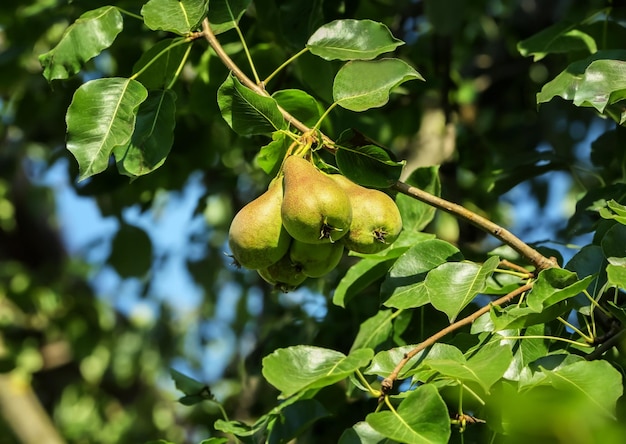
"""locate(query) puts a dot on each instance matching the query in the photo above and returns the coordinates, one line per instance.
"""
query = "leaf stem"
(576, 330)
(323, 116)
(554, 338)
(387, 383)
(473, 393)
(180, 68)
(375, 393)
(130, 14)
(525, 275)
(281, 67)
(248, 56)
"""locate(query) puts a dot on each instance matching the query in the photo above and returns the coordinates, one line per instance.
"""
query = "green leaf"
(177, 16)
(247, 112)
(374, 331)
(616, 275)
(131, 252)
(615, 211)
(225, 14)
(362, 433)
(271, 155)
(100, 119)
(595, 81)
(352, 40)
(185, 384)
(162, 70)
(153, 137)
(361, 85)
(421, 417)
(525, 351)
(560, 38)
(91, 33)
(295, 419)
(417, 215)
(404, 286)
(553, 286)
(385, 361)
(369, 166)
(294, 369)
(299, 104)
(453, 285)
(614, 242)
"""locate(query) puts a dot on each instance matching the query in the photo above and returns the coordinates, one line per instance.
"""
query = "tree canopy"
(495, 128)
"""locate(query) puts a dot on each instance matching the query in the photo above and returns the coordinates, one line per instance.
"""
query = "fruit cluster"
(300, 226)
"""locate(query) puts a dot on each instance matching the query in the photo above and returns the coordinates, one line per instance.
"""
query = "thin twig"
(533, 256)
(388, 382)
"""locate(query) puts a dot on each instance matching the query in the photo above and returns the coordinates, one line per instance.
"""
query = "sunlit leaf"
(404, 285)
(294, 369)
(562, 37)
(453, 285)
(177, 16)
(153, 137)
(362, 433)
(352, 40)
(361, 85)
(247, 112)
(271, 155)
(100, 119)
(555, 285)
(91, 33)
(614, 210)
(299, 104)
(225, 14)
(421, 417)
(374, 331)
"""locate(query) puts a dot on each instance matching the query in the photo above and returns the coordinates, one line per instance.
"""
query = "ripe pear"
(257, 237)
(315, 260)
(315, 209)
(283, 275)
(376, 220)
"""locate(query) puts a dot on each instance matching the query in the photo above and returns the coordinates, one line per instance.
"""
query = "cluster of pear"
(300, 226)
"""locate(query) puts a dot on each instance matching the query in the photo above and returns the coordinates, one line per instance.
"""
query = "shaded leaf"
(162, 70)
(101, 118)
(299, 104)
(374, 331)
(294, 369)
(225, 14)
(91, 33)
(525, 351)
(421, 417)
(614, 242)
(404, 286)
(131, 252)
(296, 418)
(560, 38)
(177, 16)
(369, 166)
(362, 433)
(453, 285)
(153, 137)
(415, 214)
(352, 40)
(185, 384)
(247, 112)
(361, 85)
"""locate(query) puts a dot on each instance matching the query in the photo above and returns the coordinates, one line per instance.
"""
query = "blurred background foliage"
(92, 331)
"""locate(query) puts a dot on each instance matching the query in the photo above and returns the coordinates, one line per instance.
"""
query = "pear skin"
(256, 236)
(315, 260)
(283, 275)
(314, 209)
(376, 220)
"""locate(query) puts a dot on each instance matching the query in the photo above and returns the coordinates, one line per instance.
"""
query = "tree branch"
(388, 382)
(534, 257)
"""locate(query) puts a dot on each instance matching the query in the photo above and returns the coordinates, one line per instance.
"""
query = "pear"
(315, 209)
(256, 236)
(376, 220)
(315, 260)
(284, 274)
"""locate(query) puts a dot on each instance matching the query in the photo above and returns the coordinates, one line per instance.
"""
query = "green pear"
(315, 209)
(315, 260)
(283, 275)
(256, 236)
(376, 220)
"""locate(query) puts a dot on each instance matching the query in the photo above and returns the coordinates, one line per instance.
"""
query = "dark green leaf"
(177, 16)
(294, 369)
(374, 331)
(83, 40)
(153, 136)
(445, 16)
(362, 433)
(415, 214)
(359, 276)
(247, 112)
(299, 104)
(614, 242)
(131, 252)
(187, 385)
(100, 119)
(404, 285)
(452, 286)
(162, 70)
(562, 37)
(369, 166)
(352, 40)
(225, 14)
(296, 418)
(421, 418)
(361, 85)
